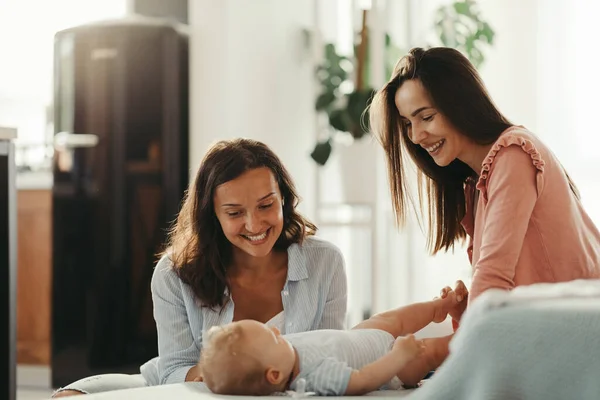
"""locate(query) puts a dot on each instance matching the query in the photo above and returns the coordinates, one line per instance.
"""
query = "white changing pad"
(197, 391)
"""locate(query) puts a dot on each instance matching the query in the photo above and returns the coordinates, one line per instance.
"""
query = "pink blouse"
(528, 225)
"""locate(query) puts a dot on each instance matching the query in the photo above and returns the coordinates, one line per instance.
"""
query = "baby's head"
(246, 358)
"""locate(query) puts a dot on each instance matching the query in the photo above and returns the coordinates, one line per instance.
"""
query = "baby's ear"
(199, 374)
(274, 376)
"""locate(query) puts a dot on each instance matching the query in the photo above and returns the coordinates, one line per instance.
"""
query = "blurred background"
(116, 101)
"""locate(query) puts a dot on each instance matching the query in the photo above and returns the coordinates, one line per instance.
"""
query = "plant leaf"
(487, 32)
(358, 101)
(321, 152)
(324, 100)
(463, 7)
(338, 119)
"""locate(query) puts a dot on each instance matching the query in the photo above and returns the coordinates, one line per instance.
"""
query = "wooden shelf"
(34, 276)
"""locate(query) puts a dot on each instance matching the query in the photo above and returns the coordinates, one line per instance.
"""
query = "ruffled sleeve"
(505, 141)
(510, 184)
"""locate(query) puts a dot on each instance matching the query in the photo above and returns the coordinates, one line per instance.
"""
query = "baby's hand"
(460, 291)
(457, 299)
(409, 347)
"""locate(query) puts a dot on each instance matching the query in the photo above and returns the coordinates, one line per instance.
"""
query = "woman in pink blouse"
(484, 177)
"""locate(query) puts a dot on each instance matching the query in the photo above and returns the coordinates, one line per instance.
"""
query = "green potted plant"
(345, 84)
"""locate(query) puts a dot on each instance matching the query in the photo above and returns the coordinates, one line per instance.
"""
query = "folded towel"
(542, 291)
(528, 294)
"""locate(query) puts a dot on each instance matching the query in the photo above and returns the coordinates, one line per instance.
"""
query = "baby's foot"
(409, 347)
(460, 290)
(457, 300)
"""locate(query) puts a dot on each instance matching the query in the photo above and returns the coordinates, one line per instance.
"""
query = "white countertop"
(34, 180)
(7, 133)
(197, 391)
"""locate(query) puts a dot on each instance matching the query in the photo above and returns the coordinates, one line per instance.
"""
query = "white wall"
(251, 76)
(511, 69)
(542, 73)
(568, 86)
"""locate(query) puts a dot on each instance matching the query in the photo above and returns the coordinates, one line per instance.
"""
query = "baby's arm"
(413, 317)
(372, 376)
(436, 351)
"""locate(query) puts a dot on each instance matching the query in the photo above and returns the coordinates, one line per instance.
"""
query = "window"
(27, 30)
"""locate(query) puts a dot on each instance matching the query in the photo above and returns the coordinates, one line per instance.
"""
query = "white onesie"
(328, 357)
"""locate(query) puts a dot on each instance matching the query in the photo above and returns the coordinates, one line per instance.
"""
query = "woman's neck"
(246, 265)
(475, 155)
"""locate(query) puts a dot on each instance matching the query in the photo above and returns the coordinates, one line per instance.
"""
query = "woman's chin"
(261, 249)
(441, 162)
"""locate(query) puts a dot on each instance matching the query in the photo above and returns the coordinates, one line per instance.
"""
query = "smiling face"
(427, 127)
(250, 211)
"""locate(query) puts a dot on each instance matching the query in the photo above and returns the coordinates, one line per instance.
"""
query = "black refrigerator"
(120, 170)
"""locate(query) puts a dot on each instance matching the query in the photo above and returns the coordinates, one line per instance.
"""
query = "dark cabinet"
(120, 170)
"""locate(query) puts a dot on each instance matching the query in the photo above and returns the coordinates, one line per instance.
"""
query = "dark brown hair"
(197, 246)
(458, 93)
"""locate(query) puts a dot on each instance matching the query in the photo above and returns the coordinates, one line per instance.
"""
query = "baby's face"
(267, 343)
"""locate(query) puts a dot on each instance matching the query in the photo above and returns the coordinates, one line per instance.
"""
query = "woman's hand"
(462, 294)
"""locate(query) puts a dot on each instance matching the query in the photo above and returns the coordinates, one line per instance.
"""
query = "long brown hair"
(457, 92)
(197, 245)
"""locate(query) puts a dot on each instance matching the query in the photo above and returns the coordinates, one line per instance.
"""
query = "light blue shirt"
(327, 358)
(314, 297)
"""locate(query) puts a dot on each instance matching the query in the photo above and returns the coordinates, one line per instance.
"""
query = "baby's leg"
(411, 318)
(434, 354)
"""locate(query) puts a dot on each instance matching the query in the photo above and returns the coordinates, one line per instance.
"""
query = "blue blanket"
(538, 342)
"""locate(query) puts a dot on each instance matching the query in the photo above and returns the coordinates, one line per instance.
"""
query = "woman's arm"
(177, 351)
(511, 196)
(336, 305)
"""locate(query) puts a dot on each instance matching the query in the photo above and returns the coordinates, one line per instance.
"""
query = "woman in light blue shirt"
(239, 250)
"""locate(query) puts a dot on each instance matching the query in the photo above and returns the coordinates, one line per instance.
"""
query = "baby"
(249, 358)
